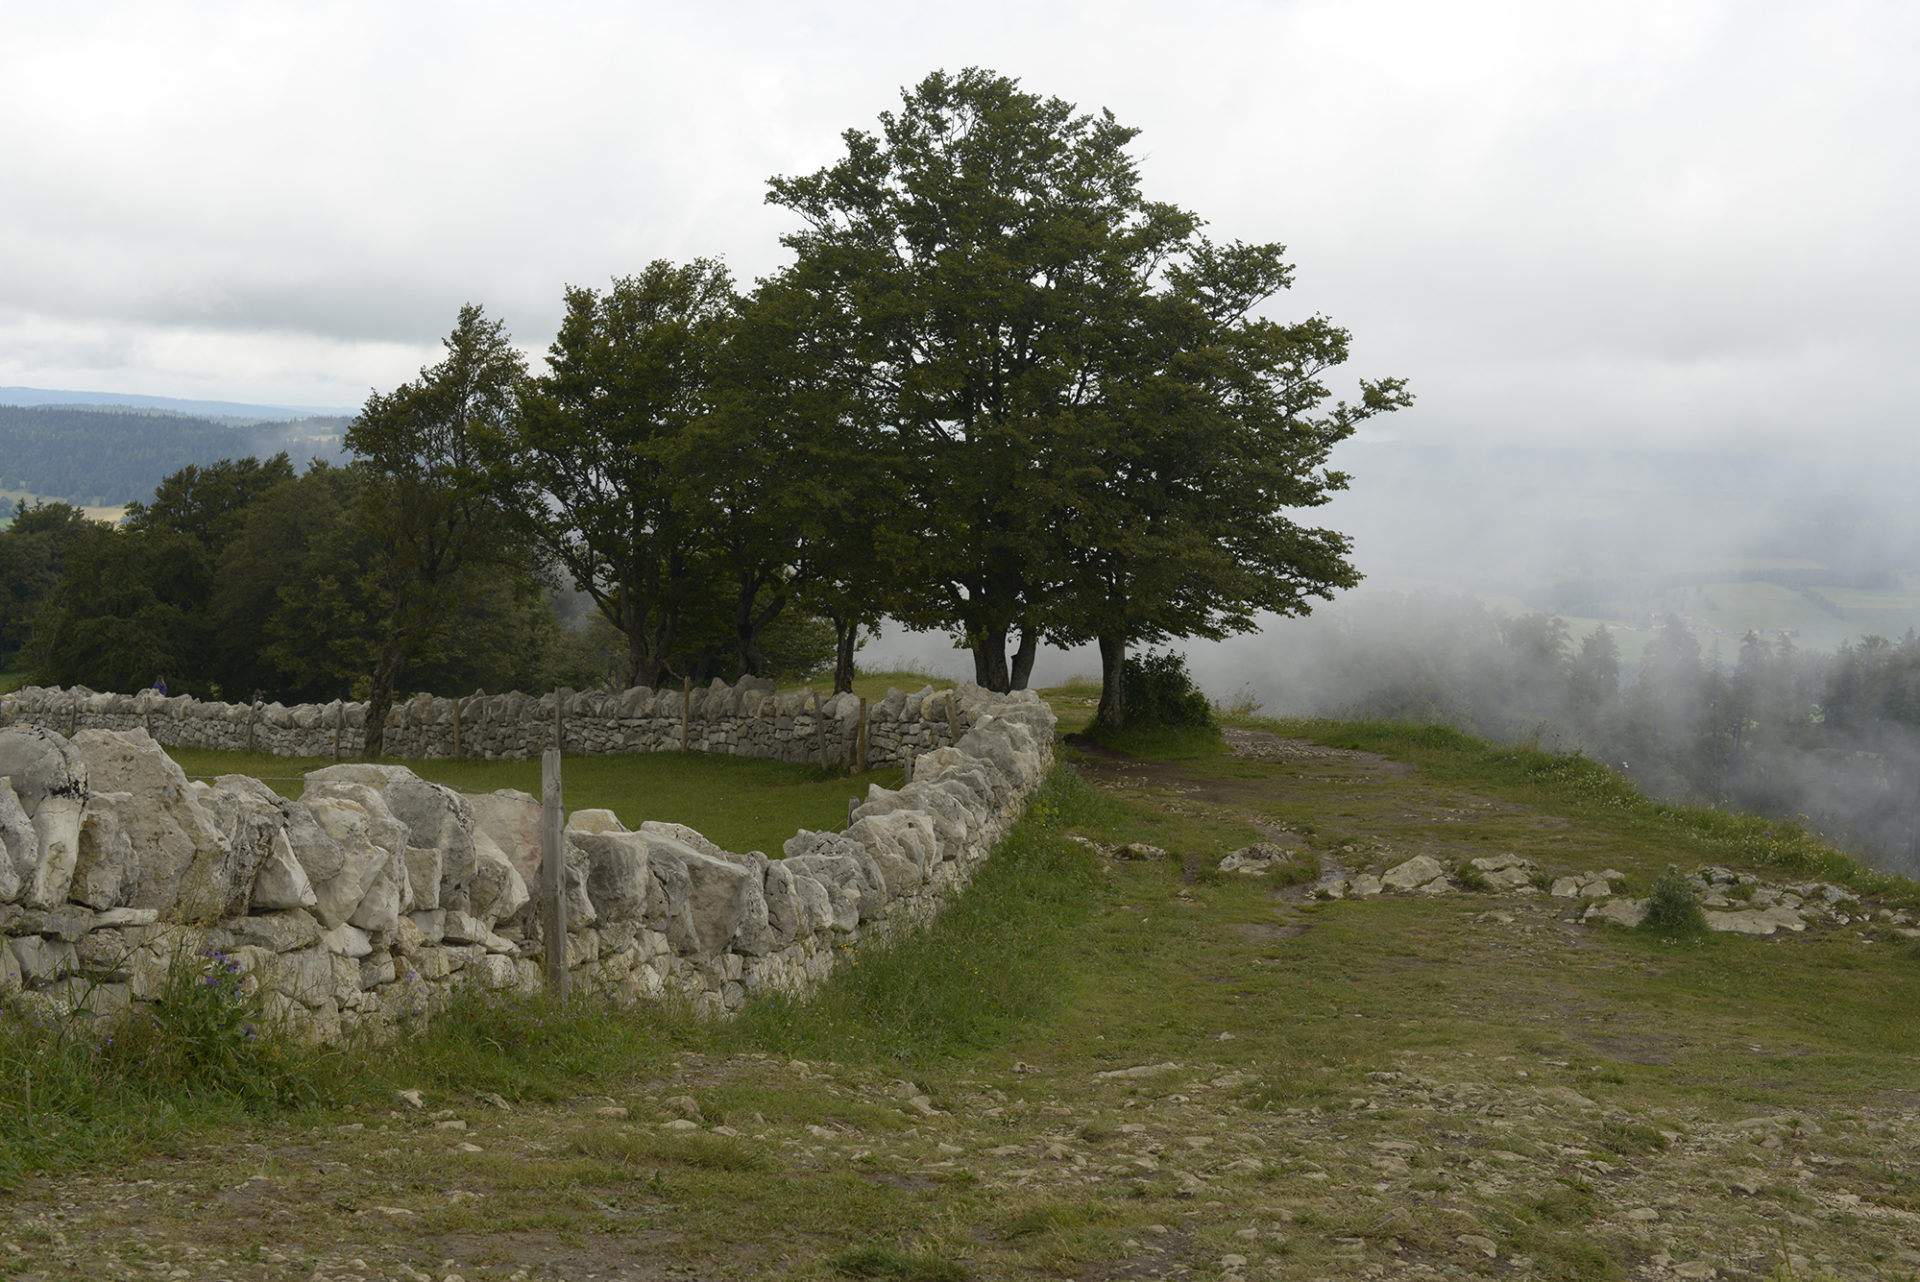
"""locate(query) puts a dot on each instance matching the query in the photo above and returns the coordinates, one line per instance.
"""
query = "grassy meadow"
(1090, 1067)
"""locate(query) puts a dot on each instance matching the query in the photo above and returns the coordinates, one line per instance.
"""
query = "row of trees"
(998, 393)
(1833, 737)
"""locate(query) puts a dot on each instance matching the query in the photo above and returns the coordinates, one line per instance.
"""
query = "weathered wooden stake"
(339, 719)
(553, 873)
(456, 730)
(819, 731)
(953, 721)
(559, 725)
(860, 749)
(686, 710)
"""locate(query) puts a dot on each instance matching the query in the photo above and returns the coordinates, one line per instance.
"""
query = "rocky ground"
(1329, 1079)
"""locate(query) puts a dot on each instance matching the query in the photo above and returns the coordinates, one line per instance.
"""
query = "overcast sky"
(1667, 223)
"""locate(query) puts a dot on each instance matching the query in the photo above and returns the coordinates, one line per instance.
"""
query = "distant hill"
(171, 405)
(107, 456)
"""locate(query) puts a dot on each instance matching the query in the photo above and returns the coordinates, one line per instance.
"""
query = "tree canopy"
(1099, 436)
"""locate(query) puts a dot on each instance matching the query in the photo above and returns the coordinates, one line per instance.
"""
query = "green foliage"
(209, 1027)
(593, 466)
(32, 559)
(427, 509)
(1470, 877)
(1095, 437)
(891, 1264)
(1160, 693)
(1673, 910)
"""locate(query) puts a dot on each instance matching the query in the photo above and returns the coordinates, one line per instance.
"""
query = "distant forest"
(107, 457)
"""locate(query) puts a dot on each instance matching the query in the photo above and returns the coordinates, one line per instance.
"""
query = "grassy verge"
(10, 681)
(743, 803)
(1582, 788)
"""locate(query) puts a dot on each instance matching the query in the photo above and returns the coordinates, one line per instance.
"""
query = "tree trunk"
(846, 635)
(380, 702)
(990, 661)
(1112, 714)
(1024, 656)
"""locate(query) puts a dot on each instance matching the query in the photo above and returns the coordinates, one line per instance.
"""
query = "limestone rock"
(104, 874)
(594, 821)
(253, 819)
(1415, 873)
(511, 820)
(436, 817)
(1756, 921)
(616, 864)
(185, 866)
(48, 778)
(366, 847)
(1621, 912)
(1505, 872)
(19, 844)
(497, 891)
(1255, 860)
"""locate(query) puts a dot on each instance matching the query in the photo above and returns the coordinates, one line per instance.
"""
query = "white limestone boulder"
(616, 868)
(48, 778)
(365, 848)
(440, 827)
(19, 844)
(184, 866)
(104, 874)
(1414, 874)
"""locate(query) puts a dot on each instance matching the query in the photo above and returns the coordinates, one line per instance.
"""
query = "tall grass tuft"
(1673, 910)
(995, 959)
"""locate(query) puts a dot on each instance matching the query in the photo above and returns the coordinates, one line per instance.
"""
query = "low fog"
(1754, 608)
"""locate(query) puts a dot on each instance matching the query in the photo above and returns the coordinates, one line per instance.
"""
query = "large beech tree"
(1098, 437)
(975, 251)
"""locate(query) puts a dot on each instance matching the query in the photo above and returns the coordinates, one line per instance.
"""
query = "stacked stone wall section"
(362, 904)
(748, 719)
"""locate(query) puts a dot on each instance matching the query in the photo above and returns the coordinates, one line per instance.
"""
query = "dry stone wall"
(364, 902)
(748, 719)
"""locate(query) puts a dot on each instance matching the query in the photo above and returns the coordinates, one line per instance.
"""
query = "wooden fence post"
(953, 722)
(559, 725)
(553, 873)
(819, 730)
(456, 729)
(860, 749)
(339, 719)
(686, 709)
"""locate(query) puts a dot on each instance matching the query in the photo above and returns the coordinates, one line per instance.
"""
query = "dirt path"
(1248, 1083)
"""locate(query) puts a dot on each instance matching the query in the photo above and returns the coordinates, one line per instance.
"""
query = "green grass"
(742, 803)
(1312, 1035)
(10, 681)
(1159, 743)
(993, 963)
(1586, 791)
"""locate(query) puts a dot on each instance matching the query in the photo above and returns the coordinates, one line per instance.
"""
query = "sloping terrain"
(1231, 1077)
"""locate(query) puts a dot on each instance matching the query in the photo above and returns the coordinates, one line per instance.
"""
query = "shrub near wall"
(366, 900)
(748, 719)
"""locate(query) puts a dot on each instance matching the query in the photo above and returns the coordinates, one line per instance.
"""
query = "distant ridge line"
(122, 400)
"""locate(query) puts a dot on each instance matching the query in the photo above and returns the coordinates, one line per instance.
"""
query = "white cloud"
(1678, 220)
